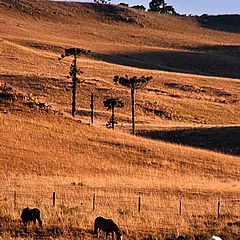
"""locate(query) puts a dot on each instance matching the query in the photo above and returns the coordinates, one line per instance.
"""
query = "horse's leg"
(106, 235)
(39, 221)
(25, 223)
(112, 235)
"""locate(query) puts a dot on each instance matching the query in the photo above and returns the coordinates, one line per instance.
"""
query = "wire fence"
(123, 203)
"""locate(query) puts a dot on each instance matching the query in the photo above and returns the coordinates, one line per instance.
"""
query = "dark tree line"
(102, 1)
(159, 6)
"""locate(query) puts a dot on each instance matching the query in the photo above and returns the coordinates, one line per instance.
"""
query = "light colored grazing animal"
(108, 226)
(215, 238)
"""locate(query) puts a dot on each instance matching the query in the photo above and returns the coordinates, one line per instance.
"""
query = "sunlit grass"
(116, 171)
(42, 153)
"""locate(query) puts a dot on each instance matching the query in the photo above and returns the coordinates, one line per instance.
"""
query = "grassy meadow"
(184, 159)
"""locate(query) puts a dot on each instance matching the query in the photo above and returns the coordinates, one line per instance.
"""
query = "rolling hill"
(187, 120)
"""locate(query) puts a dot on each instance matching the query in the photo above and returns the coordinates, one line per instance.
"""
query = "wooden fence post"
(14, 200)
(218, 209)
(94, 201)
(54, 199)
(180, 208)
(92, 108)
(139, 202)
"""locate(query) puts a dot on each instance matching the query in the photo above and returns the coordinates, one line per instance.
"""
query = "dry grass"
(42, 152)
(81, 162)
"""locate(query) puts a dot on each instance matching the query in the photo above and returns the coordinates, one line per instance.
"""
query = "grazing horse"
(180, 238)
(215, 238)
(108, 226)
(31, 215)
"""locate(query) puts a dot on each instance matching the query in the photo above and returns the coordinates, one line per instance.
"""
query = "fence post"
(180, 208)
(139, 202)
(54, 199)
(218, 209)
(94, 201)
(14, 200)
(92, 106)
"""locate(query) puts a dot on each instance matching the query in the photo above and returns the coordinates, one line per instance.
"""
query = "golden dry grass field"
(184, 158)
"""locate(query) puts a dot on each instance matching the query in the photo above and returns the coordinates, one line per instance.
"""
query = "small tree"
(134, 83)
(160, 6)
(74, 71)
(139, 7)
(110, 104)
(102, 1)
(170, 10)
(157, 6)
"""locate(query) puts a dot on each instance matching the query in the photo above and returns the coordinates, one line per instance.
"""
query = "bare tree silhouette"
(74, 71)
(134, 83)
(111, 104)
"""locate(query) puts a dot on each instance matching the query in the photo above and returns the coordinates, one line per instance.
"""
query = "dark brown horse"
(180, 238)
(31, 215)
(108, 226)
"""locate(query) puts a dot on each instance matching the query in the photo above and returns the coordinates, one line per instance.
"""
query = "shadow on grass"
(219, 61)
(226, 23)
(224, 50)
(224, 139)
(47, 233)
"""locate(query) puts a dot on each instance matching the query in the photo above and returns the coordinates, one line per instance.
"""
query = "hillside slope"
(35, 33)
(193, 99)
(193, 49)
(42, 153)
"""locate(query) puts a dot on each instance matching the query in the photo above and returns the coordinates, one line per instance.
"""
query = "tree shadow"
(219, 61)
(220, 139)
(226, 23)
(223, 50)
